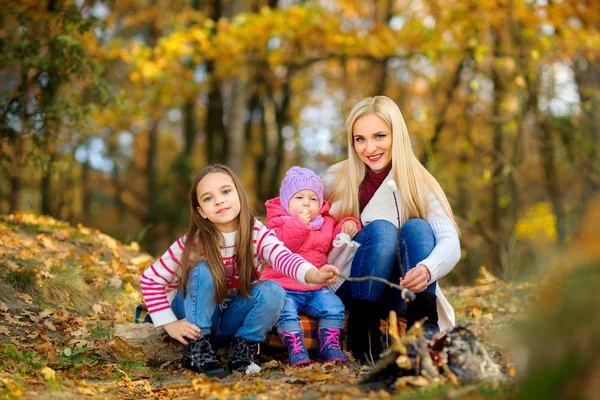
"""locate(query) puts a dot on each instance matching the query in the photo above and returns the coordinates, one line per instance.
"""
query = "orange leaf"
(12, 387)
(49, 373)
(50, 325)
(476, 312)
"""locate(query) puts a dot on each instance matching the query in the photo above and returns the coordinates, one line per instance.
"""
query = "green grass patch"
(101, 330)
(15, 361)
(71, 359)
(68, 288)
(21, 281)
(127, 366)
(9, 225)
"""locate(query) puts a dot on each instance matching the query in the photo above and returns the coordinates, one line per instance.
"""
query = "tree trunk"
(281, 120)
(152, 183)
(216, 138)
(587, 77)
(497, 212)
(45, 187)
(152, 194)
(552, 181)
(235, 125)
(86, 197)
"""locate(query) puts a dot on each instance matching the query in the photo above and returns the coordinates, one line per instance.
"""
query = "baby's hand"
(350, 228)
(180, 330)
(305, 215)
(325, 276)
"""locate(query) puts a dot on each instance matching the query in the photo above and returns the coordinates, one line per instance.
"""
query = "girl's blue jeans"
(377, 257)
(322, 304)
(248, 318)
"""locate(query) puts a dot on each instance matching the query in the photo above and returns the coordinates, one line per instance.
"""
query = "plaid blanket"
(310, 327)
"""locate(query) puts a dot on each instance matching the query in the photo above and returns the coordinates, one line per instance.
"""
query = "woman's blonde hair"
(205, 240)
(410, 175)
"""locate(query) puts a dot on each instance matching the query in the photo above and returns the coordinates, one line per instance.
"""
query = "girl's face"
(372, 140)
(219, 201)
(304, 199)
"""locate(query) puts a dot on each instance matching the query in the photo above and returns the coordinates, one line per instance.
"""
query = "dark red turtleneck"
(370, 184)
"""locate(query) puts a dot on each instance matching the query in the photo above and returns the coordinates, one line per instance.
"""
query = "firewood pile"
(454, 357)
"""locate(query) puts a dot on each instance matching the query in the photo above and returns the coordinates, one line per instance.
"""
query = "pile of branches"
(454, 357)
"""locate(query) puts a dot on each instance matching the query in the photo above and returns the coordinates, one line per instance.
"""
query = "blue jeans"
(248, 318)
(322, 304)
(377, 257)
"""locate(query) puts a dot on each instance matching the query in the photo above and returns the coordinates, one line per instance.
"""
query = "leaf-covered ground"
(63, 288)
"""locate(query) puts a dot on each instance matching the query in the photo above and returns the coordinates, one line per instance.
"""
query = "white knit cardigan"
(446, 252)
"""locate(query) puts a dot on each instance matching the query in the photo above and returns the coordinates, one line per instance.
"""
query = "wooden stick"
(407, 295)
(388, 358)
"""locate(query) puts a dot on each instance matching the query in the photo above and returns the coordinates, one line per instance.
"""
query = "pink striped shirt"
(159, 281)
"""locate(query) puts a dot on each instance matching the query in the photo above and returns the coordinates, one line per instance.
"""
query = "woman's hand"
(325, 276)
(417, 279)
(180, 330)
(350, 228)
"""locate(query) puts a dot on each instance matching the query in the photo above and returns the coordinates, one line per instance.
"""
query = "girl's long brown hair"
(204, 241)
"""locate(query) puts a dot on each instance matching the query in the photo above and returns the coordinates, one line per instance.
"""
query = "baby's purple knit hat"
(297, 179)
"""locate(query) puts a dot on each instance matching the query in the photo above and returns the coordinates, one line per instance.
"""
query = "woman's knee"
(417, 230)
(380, 231)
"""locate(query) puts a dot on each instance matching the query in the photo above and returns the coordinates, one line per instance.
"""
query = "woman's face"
(372, 140)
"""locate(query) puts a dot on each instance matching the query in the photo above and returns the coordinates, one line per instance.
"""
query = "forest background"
(109, 108)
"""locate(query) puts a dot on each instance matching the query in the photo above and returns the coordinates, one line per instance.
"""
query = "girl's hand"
(324, 276)
(350, 228)
(305, 215)
(417, 279)
(180, 330)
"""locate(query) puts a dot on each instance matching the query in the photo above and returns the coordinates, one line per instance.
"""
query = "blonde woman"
(396, 199)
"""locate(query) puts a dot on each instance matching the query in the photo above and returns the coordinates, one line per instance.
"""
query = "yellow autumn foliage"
(538, 223)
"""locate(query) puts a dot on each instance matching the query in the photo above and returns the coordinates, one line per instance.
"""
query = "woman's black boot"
(364, 333)
(424, 305)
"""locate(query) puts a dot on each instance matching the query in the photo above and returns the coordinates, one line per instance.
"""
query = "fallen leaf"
(476, 313)
(142, 259)
(15, 320)
(115, 281)
(108, 241)
(419, 381)
(82, 331)
(485, 276)
(79, 343)
(50, 325)
(12, 387)
(3, 306)
(489, 316)
(26, 298)
(46, 313)
(97, 308)
(10, 265)
(25, 255)
(134, 246)
(4, 330)
(83, 229)
(47, 242)
(477, 290)
(49, 373)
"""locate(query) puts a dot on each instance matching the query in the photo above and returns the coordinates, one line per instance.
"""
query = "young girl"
(215, 266)
(299, 218)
